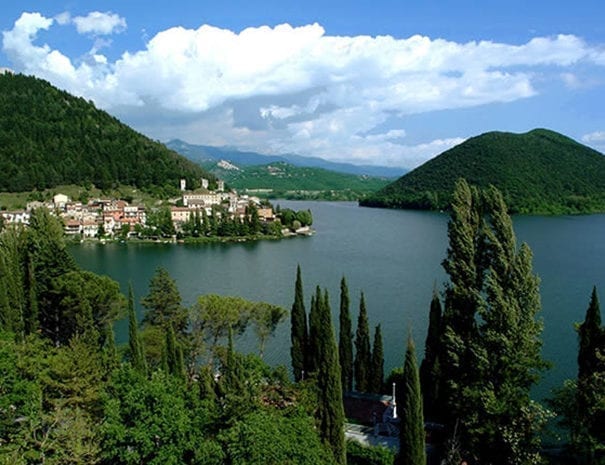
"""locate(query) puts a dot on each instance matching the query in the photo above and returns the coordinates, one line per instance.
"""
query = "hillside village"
(115, 217)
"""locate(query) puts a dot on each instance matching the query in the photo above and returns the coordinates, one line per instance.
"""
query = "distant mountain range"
(205, 153)
(49, 138)
(539, 172)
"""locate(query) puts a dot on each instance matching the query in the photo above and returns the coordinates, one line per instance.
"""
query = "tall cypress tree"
(330, 411)
(312, 358)
(589, 334)
(135, 346)
(411, 430)
(591, 379)
(363, 358)
(430, 367)
(174, 354)
(377, 372)
(345, 342)
(491, 345)
(299, 336)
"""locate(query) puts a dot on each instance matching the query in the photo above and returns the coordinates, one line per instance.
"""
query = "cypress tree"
(491, 342)
(30, 317)
(429, 368)
(345, 343)
(312, 359)
(591, 379)
(462, 298)
(174, 354)
(377, 372)
(135, 347)
(299, 336)
(589, 334)
(363, 358)
(411, 430)
(330, 411)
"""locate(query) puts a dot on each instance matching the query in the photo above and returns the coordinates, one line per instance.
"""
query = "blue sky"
(383, 82)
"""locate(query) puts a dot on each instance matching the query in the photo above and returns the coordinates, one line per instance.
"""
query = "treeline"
(49, 137)
(221, 224)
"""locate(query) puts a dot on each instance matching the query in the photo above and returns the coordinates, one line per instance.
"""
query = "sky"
(390, 83)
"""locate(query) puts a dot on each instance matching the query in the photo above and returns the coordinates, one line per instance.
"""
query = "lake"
(393, 256)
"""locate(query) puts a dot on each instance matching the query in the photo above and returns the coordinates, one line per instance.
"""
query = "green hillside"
(49, 137)
(281, 178)
(539, 172)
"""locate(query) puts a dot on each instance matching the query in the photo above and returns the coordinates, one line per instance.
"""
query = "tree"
(298, 325)
(163, 303)
(312, 357)
(363, 355)
(590, 438)
(49, 258)
(265, 318)
(212, 317)
(430, 367)
(85, 302)
(490, 351)
(267, 437)
(330, 410)
(345, 342)
(174, 355)
(136, 354)
(377, 366)
(411, 430)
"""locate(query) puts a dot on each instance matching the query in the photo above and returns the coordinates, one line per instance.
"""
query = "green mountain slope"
(540, 172)
(49, 137)
(281, 177)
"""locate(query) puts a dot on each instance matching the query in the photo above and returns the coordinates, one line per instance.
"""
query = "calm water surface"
(393, 256)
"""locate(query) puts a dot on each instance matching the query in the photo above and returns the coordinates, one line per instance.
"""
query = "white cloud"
(63, 18)
(297, 89)
(98, 23)
(597, 136)
(596, 140)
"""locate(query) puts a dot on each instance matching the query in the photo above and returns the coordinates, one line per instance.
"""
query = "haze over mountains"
(539, 172)
(204, 153)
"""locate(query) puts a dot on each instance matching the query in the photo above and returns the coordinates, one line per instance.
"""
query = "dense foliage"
(49, 137)
(490, 342)
(539, 172)
(67, 397)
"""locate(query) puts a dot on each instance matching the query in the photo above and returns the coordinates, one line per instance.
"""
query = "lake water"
(393, 256)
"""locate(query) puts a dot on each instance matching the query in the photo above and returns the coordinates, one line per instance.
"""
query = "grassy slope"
(539, 172)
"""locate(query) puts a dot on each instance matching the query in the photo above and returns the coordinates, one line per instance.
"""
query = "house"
(16, 217)
(60, 200)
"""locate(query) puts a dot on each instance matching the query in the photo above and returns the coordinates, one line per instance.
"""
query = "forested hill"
(539, 172)
(282, 177)
(49, 137)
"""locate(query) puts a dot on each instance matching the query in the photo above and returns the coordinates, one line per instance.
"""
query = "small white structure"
(221, 186)
(183, 184)
(204, 183)
(60, 200)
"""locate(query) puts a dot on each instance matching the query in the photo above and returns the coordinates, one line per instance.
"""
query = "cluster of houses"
(112, 217)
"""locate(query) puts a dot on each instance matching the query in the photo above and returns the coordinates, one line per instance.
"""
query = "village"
(111, 218)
